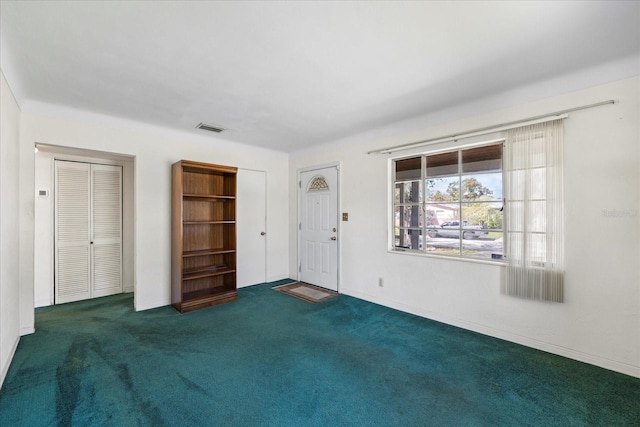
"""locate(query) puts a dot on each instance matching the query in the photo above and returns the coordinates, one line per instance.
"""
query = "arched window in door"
(318, 183)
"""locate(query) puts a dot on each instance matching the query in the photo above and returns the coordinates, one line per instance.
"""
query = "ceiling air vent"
(211, 128)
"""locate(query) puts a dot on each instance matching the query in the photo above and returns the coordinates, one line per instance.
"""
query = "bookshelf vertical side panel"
(230, 185)
(176, 233)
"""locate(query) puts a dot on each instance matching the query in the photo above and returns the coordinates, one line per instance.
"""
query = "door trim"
(298, 219)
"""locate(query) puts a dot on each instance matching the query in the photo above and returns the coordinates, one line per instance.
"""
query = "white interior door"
(318, 227)
(106, 230)
(72, 232)
(251, 214)
(88, 231)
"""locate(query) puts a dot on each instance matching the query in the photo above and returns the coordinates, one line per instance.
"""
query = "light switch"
(345, 216)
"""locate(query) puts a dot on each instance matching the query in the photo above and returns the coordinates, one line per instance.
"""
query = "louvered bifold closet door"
(106, 233)
(72, 230)
(88, 228)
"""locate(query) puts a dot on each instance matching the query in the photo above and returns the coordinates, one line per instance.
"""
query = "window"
(450, 203)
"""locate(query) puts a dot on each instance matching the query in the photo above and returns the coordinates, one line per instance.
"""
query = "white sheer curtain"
(534, 216)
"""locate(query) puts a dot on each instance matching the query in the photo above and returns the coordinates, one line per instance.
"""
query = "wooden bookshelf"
(203, 235)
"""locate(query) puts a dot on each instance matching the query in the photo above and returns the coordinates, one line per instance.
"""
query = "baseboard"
(27, 330)
(277, 278)
(153, 304)
(5, 369)
(591, 359)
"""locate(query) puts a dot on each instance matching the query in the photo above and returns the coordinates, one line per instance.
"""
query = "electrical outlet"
(380, 282)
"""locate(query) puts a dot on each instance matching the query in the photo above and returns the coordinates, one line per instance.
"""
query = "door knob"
(262, 233)
(334, 238)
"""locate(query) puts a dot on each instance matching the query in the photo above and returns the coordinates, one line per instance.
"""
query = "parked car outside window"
(452, 229)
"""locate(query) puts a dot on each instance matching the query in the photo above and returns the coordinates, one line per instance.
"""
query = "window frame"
(423, 202)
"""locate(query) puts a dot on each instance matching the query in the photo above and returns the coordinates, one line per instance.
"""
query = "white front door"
(318, 227)
(251, 205)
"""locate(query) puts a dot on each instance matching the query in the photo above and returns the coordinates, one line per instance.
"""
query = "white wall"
(9, 220)
(154, 150)
(600, 321)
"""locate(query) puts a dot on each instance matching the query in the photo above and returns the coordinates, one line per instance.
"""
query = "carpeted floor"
(272, 360)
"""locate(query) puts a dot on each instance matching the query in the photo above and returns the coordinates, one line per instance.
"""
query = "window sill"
(498, 263)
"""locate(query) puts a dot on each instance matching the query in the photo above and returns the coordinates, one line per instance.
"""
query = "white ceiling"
(289, 75)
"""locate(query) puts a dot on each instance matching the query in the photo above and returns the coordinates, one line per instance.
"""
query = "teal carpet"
(269, 359)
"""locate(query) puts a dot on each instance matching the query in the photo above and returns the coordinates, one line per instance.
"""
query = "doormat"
(306, 292)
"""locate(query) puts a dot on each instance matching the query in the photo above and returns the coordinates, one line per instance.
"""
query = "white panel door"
(251, 219)
(318, 227)
(88, 231)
